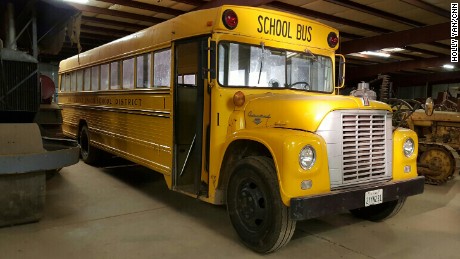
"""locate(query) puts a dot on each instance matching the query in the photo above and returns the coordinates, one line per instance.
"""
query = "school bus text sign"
(277, 27)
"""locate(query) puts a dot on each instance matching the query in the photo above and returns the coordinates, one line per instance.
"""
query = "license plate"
(373, 197)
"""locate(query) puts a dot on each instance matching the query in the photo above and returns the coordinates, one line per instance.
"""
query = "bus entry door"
(188, 116)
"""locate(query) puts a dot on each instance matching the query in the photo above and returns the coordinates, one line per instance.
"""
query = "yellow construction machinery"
(439, 137)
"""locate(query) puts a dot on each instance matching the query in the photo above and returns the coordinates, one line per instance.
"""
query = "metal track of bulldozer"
(432, 176)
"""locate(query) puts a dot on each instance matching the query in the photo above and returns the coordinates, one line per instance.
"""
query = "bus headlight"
(408, 147)
(307, 157)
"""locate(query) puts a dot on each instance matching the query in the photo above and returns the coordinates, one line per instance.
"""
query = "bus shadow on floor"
(152, 184)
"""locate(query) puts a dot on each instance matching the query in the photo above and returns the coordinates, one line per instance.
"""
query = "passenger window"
(73, 79)
(87, 80)
(61, 83)
(144, 66)
(190, 79)
(187, 80)
(79, 80)
(114, 75)
(67, 82)
(162, 68)
(95, 78)
(105, 77)
(128, 73)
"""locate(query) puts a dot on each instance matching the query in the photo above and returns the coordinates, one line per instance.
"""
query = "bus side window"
(87, 80)
(105, 77)
(95, 78)
(67, 82)
(114, 75)
(190, 80)
(162, 68)
(144, 65)
(73, 79)
(128, 73)
(79, 80)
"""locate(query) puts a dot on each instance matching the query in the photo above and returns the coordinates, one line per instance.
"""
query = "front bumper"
(316, 206)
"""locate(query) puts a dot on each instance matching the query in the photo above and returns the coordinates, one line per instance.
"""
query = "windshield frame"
(262, 45)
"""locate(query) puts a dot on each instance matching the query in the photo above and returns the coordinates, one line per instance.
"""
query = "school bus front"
(284, 146)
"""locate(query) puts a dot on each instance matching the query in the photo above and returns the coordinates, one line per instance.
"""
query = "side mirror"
(429, 106)
(341, 76)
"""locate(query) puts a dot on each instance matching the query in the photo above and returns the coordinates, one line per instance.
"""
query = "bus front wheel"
(89, 154)
(255, 208)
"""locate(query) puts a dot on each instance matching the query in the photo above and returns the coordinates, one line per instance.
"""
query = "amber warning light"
(239, 99)
(230, 19)
(332, 39)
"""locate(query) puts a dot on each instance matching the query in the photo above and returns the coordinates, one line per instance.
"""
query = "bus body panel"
(135, 125)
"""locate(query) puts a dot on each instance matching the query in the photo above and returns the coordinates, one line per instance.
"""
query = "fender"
(401, 163)
(284, 145)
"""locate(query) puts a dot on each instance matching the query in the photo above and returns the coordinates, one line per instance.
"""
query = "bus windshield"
(242, 65)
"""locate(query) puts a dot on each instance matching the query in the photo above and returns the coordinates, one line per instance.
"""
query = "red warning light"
(230, 19)
(332, 39)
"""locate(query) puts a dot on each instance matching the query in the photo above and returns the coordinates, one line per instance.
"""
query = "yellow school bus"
(238, 106)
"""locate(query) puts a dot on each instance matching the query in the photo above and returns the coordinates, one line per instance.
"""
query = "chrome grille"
(363, 147)
(359, 146)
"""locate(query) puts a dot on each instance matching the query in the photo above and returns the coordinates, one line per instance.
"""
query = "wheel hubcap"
(251, 205)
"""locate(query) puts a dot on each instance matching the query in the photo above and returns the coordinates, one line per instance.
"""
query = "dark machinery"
(25, 156)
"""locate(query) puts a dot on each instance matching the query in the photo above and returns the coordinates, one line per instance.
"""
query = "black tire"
(255, 207)
(89, 154)
(379, 212)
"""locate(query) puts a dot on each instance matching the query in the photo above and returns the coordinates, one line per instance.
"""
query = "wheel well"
(81, 123)
(236, 151)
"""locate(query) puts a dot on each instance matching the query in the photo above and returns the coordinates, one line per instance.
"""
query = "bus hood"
(299, 111)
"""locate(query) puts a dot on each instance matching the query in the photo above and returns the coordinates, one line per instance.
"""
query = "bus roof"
(264, 24)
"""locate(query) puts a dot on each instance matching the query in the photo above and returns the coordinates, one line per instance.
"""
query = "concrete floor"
(127, 212)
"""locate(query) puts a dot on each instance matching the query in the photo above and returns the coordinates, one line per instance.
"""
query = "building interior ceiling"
(419, 29)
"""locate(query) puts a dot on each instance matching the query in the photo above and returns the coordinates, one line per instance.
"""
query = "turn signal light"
(239, 99)
(332, 39)
(230, 19)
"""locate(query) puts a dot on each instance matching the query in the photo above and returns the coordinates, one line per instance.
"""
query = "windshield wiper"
(262, 44)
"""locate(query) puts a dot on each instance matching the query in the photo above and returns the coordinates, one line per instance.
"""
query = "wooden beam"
(369, 71)
(428, 7)
(440, 45)
(92, 36)
(422, 79)
(102, 31)
(144, 6)
(217, 3)
(424, 51)
(401, 39)
(376, 12)
(191, 2)
(135, 27)
(350, 36)
(327, 17)
(98, 10)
